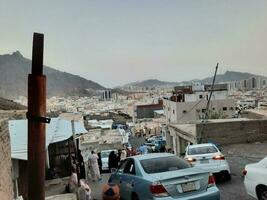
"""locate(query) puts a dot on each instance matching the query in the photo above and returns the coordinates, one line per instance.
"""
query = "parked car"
(256, 179)
(154, 137)
(209, 157)
(104, 158)
(163, 176)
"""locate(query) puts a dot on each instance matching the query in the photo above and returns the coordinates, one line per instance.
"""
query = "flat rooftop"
(262, 112)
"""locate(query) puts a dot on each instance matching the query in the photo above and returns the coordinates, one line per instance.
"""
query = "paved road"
(97, 187)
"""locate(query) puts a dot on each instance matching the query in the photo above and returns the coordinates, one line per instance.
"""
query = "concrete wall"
(223, 133)
(13, 114)
(6, 185)
(253, 115)
(216, 95)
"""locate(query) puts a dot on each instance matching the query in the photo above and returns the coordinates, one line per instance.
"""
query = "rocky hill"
(226, 77)
(14, 70)
(151, 83)
(6, 104)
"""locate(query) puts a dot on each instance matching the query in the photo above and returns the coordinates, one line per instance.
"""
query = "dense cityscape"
(133, 100)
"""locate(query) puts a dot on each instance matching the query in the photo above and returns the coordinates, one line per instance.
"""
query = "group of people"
(114, 158)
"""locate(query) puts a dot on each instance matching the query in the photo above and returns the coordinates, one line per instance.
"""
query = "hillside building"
(188, 103)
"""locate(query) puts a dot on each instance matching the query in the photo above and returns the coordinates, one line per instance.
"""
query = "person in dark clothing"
(112, 160)
(99, 160)
(162, 148)
(81, 165)
(119, 156)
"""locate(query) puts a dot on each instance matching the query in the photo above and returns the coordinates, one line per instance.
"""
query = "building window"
(184, 111)
(201, 96)
(213, 108)
(173, 111)
(224, 108)
(231, 108)
(203, 110)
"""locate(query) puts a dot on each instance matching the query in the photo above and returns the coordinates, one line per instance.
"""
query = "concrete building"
(217, 131)
(147, 111)
(252, 83)
(106, 95)
(188, 103)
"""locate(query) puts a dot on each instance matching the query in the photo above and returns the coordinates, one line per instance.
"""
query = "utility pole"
(36, 122)
(208, 105)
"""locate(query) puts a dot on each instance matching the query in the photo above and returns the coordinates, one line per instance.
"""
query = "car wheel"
(262, 193)
(135, 196)
(227, 177)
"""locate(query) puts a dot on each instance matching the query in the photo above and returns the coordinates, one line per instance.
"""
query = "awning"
(58, 130)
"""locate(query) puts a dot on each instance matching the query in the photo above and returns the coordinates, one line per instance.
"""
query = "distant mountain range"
(14, 70)
(228, 76)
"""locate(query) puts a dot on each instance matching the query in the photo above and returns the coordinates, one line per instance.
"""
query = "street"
(238, 156)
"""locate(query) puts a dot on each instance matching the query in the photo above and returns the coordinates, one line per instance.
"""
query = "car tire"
(134, 196)
(262, 192)
(228, 177)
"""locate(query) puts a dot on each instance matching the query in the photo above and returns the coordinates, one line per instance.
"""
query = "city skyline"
(115, 42)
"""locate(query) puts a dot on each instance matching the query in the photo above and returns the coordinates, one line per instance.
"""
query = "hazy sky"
(114, 42)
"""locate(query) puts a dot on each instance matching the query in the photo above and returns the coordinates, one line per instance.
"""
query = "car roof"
(201, 145)
(151, 155)
(109, 150)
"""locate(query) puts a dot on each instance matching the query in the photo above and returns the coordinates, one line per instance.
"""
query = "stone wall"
(13, 114)
(6, 185)
(232, 132)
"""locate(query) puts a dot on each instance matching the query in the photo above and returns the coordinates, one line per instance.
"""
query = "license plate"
(204, 161)
(188, 187)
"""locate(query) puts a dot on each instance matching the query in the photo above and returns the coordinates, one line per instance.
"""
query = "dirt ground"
(238, 155)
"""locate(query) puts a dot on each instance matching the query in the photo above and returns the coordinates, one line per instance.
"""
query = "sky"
(114, 42)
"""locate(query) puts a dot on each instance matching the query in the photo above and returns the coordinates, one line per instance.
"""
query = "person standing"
(123, 155)
(93, 167)
(162, 149)
(99, 160)
(112, 161)
(73, 181)
(81, 165)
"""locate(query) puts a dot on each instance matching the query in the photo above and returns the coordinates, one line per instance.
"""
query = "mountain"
(228, 76)
(151, 83)
(14, 70)
(6, 104)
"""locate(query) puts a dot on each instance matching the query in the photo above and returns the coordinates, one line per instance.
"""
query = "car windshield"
(163, 164)
(201, 150)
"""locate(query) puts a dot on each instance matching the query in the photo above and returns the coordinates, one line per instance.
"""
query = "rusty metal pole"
(36, 122)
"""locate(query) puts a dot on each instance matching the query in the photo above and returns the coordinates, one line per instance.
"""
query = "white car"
(208, 157)
(256, 179)
(104, 158)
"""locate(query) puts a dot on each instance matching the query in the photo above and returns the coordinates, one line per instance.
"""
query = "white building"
(188, 103)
